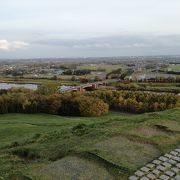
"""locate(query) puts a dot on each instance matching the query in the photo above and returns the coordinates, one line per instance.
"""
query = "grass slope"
(39, 146)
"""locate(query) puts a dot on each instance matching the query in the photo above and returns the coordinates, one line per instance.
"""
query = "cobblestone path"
(166, 167)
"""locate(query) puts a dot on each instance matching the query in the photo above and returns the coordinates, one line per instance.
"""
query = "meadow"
(175, 68)
(99, 67)
(41, 146)
(18, 80)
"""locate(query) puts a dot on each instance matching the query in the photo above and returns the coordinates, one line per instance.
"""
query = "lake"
(11, 85)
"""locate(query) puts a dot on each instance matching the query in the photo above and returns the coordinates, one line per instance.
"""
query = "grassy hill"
(113, 146)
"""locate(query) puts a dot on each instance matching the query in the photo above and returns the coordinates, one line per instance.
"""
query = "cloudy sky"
(88, 28)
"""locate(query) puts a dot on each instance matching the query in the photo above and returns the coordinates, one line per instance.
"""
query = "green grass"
(107, 67)
(161, 87)
(39, 146)
(39, 81)
(175, 68)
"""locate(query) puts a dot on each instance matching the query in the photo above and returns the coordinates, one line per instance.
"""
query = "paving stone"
(156, 172)
(172, 162)
(145, 169)
(161, 168)
(168, 155)
(151, 176)
(150, 165)
(139, 173)
(157, 162)
(178, 165)
(176, 158)
(144, 178)
(164, 177)
(177, 177)
(170, 173)
(165, 167)
(174, 153)
(162, 158)
(166, 164)
(174, 169)
(177, 150)
(133, 178)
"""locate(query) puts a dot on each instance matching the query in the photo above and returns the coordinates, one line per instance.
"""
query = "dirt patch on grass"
(160, 129)
(149, 131)
(125, 152)
(75, 168)
(172, 125)
(163, 128)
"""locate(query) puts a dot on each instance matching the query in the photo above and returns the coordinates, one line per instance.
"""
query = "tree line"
(91, 104)
(144, 87)
(70, 104)
(137, 102)
(77, 72)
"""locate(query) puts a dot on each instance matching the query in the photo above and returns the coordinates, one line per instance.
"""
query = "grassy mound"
(33, 144)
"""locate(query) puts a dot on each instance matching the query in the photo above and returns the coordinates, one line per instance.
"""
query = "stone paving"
(166, 167)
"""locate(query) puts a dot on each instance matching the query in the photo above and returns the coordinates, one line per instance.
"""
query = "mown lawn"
(109, 147)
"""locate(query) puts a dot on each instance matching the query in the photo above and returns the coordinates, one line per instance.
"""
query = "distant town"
(84, 70)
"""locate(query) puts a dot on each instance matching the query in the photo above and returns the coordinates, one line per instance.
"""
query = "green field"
(109, 147)
(161, 87)
(175, 68)
(98, 67)
(39, 81)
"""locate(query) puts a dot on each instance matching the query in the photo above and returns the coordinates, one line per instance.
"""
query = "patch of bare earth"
(149, 131)
(127, 153)
(74, 168)
(172, 125)
(159, 129)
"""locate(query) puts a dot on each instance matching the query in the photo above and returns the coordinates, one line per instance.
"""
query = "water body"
(14, 85)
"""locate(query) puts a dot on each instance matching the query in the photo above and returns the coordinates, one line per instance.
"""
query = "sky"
(89, 28)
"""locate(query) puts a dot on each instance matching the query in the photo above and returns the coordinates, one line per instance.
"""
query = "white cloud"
(12, 45)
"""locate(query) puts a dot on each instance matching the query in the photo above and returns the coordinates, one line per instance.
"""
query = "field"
(65, 81)
(175, 68)
(52, 147)
(161, 87)
(98, 67)
(150, 86)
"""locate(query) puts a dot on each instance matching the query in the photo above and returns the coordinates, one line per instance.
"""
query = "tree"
(48, 89)
(92, 107)
(83, 106)
(96, 78)
(73, 78)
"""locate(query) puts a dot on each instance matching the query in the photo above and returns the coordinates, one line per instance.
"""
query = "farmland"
(99, 67)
